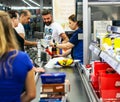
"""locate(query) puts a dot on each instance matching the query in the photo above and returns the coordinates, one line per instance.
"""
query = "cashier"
(75, 45)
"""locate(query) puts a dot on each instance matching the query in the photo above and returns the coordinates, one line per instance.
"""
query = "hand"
(51, 44)
(58, 55)
(39, 70)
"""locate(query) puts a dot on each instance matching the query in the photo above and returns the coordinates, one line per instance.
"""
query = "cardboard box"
(63, 87)
(52, 78)
(53, 97)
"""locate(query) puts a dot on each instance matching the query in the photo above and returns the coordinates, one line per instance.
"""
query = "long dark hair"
(13, 13)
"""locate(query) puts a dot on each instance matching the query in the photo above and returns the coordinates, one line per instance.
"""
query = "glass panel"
(99, 13)
(79, 12)
(105, 12)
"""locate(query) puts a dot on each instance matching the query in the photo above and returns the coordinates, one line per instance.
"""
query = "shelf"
(114, 29)
(106, 57)
(118, 68)
(110, 60)
(95, 49)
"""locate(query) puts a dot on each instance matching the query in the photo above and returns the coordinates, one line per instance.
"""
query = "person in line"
(53, 30)
(24, 19)
(75, 45)
(15, 20)
(14, 71)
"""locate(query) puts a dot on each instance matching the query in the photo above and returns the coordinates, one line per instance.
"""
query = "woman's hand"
(39, 70)
(51, 44)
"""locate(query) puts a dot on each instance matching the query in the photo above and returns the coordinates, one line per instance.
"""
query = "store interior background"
(100, 10)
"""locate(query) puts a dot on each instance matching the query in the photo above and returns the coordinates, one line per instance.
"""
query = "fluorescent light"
(1, 4)
(20, 8)
(34, 3)
(26, 3)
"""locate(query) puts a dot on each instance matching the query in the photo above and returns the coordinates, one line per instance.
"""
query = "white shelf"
(95, 49)
(114, 29)
(118, 68)
(109, 59)
(106, 57)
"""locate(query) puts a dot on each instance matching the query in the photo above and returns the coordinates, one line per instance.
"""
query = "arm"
(64, 37)
(65, 46)
(20, 30)
(26, 42)
(30, 43)
(39, 70)
(30, 91)
(66, 53)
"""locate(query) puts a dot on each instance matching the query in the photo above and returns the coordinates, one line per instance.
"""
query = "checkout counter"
(80, 87)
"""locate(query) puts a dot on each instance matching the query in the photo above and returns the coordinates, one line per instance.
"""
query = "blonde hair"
(7, 37)
(7, 42)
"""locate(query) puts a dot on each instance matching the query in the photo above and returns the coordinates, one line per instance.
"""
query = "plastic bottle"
(39, 51)
(48, 51)
(54, 49)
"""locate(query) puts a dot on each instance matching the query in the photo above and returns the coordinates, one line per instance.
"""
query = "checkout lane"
(81, 89)
(77, 90)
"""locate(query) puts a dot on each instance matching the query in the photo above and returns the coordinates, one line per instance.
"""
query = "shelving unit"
(106, 57)
(112, 61)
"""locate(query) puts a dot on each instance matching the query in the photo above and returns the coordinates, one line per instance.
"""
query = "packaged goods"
(62, 87)
(56, 77)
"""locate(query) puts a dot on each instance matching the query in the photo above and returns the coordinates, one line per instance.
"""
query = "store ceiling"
(20, 3)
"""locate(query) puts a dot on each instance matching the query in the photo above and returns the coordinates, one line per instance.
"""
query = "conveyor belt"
(80, 88)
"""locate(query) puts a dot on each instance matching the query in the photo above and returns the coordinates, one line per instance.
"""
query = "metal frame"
(89, 89)
(86, 32)
(87, 24)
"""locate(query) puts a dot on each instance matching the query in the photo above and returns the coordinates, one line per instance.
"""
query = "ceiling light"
(20, 8)
(34, 3)
(26, 3)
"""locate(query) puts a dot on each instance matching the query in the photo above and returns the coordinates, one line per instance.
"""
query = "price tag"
(91, 47)
(112, 62)
(96, 51)
(102, 55)
(118, 30)
(118, 69)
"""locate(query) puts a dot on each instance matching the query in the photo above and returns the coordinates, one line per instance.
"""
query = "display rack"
(112, 61)
(114, 29)
(106, 57)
